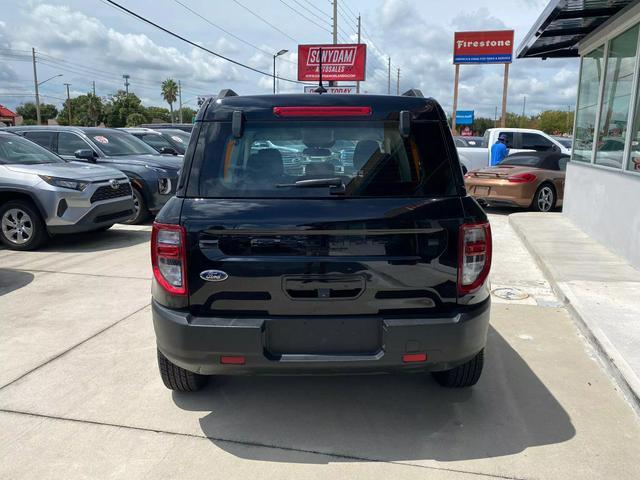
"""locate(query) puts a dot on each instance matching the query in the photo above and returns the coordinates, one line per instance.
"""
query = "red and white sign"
(483, 47)
(466, 132)
(342, 62)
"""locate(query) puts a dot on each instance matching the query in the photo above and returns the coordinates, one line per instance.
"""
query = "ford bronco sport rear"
(376, 264)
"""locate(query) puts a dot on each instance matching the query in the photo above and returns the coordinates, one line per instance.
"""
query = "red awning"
(5, 112)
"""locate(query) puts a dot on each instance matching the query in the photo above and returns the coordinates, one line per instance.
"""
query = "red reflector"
(414, 357)
(475, 248)
(231, 360)
(170, 251)
(321, 111)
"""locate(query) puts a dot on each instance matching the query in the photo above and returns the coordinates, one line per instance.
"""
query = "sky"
(90, 40)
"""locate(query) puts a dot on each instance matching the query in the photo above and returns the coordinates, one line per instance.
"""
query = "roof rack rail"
(413, 92)
(226, 92)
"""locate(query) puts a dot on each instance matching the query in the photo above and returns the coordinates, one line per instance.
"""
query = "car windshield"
(113, 143)
(318, 159)
(522, 161)
(18, 150)
(178, 138)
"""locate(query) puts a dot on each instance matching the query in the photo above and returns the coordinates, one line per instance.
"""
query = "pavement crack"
(261, 445)
(82, 342)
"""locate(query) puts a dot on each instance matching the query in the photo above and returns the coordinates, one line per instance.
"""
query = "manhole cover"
(510, 293)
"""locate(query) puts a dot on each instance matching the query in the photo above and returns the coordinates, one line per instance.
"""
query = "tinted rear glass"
(357, 159)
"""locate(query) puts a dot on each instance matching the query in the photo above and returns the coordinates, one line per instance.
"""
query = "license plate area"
(323, 336)
(482, 191)
(323, 287)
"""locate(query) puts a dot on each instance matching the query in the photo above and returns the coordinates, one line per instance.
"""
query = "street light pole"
(281, 52)
(35, 83)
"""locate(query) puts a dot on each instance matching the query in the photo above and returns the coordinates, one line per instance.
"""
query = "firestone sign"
(339, 62)
(483, 47)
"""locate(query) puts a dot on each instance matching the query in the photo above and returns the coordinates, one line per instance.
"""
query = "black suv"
(153, 176)
(381, 269)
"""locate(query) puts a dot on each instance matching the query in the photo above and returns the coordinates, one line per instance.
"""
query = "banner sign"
(483, 47)
(464, 117)
(342, 62)
(346, 89)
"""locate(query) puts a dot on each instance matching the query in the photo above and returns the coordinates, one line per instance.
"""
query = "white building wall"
(605, 203)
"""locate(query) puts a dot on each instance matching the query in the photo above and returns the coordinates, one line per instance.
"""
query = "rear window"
(320, 159)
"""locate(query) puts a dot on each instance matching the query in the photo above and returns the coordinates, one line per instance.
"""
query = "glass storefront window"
(591, 71)
(616, 99)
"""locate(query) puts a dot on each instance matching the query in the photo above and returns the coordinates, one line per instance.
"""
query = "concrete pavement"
(89, 403)
(600, 288)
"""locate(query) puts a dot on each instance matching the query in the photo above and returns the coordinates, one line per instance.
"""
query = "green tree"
(555, 121)
(29, 115)
(86, 111)
(170, 93)
(120, 106)
(187, 114)
(136, 119)
(157, 114)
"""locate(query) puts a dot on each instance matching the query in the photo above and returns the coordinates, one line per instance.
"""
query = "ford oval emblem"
(213, 276)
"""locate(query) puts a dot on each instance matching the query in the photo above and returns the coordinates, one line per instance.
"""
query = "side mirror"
(168, 151)
(86, 154)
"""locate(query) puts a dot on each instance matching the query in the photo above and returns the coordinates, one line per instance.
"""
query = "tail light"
(522, 178)
(474, 256)
(322, 111)
(168, 257)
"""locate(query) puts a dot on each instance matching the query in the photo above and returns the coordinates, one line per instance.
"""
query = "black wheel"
(545, 198)
(21, 226)
(139, 207)
(177, 378)
(465, 375)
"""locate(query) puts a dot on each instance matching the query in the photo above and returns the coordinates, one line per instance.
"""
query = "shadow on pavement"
(11, 280)
(96, 241)
(383, 417)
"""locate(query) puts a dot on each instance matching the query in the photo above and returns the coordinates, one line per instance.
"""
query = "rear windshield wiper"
(314, 182)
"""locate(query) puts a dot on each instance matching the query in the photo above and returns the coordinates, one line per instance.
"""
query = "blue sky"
(88, 40)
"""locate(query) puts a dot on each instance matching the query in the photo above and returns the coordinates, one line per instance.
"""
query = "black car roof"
(260, 107)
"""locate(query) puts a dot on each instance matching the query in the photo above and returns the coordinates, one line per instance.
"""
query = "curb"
(613, 362)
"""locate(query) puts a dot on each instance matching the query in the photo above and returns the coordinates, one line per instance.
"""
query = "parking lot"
(81, 396)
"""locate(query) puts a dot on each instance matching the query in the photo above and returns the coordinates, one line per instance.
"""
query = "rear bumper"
(501, 192)
(197, 343)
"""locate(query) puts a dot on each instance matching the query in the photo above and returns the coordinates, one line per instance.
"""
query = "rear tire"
(465, 375)
(139, 207)
(544, 199)
(177, 378)
(21, 226)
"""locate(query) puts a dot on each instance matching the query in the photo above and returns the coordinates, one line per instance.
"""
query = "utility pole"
(359, 25)
(335, 32)
(495, 118)
(505, 88)
(398, 83)
(180, 101)
(389, 76)
(68, 102)
(456, 80)
(93, 87)
(35, 83)
(126, 82)
(524, 106)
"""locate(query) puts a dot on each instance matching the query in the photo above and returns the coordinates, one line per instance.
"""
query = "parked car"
(380, 270)
(166, 142)
(185, 127)
(41, 194)
(530, 180)
(566, 142)
(476, 142)
(518, 140)
(154, 177)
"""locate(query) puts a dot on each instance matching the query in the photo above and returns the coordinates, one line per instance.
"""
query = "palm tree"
(170, 93)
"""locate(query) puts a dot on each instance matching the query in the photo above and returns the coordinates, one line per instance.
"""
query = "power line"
(193, 44)
(318, 9)
(303, 16)
(265, 21)
(345, 16)
(314, 14)
(240, 39)
(346, 5)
